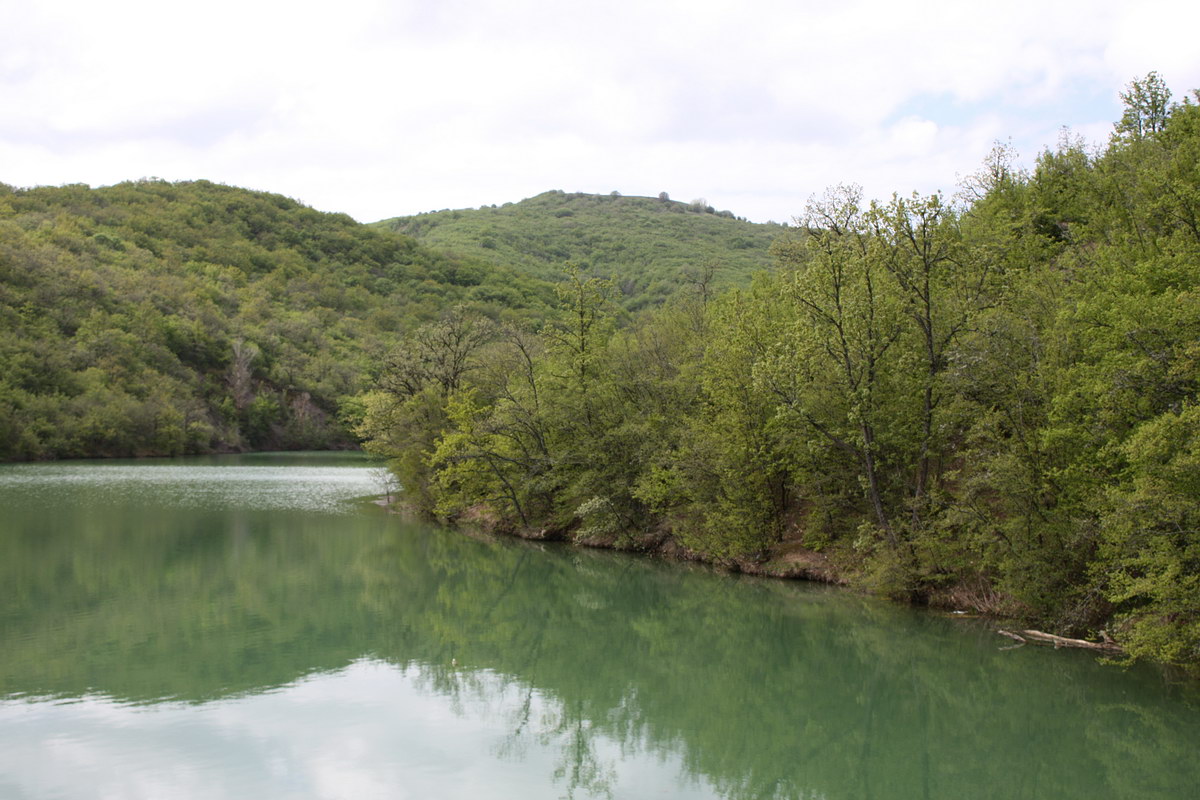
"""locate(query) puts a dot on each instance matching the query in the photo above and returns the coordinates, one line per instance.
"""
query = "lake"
(255, 627)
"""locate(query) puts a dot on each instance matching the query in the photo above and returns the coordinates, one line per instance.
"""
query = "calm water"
(251, 627)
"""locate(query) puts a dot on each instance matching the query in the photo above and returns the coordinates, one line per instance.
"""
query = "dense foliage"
(160, 318)
(650, 248)
(990, 402)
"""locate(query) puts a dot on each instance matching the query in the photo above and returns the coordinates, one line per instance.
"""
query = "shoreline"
(786, 560)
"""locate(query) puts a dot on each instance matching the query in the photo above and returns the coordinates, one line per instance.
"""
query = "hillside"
(649, 247)
(165, 318)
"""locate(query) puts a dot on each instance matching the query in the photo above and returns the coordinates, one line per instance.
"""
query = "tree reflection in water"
(758, 689)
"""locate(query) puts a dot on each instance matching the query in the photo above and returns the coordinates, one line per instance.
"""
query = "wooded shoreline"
(987, 402)
(788, 563)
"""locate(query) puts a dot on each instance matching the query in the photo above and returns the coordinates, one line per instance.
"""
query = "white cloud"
(380, 108)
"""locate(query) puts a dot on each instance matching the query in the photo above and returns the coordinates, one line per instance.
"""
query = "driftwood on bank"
(1038, 637)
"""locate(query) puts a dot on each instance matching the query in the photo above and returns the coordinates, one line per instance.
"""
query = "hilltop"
(649, 247)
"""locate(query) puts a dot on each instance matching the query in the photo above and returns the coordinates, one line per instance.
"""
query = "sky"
(381, 108)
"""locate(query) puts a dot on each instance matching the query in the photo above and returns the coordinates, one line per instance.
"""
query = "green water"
(251, 627)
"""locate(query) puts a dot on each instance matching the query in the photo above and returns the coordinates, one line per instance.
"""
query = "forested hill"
(649, 247)
(164, 318)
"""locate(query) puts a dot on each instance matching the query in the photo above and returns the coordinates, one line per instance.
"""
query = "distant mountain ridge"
(650, 247)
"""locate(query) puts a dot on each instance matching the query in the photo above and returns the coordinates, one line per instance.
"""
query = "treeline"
(989, 403)
(155, 318)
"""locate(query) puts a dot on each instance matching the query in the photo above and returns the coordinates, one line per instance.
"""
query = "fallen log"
(1039, 637)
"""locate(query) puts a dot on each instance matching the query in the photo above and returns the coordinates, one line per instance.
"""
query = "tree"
(404, 417)
(1152, 540)
(1147, 108)
(999, 169)
(440, 353)
(944, 287)
(832, 371)
(576, 342)
(240, 372)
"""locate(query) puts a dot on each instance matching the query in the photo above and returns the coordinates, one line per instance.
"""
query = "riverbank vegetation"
(988, 401)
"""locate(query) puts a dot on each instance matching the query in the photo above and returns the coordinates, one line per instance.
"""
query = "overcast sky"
(380, 108)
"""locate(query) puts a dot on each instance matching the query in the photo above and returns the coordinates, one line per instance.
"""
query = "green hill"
(649, 247)
(163, 318)
(157, 318)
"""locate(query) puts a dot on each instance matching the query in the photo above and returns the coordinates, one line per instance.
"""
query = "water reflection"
(228, 646)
